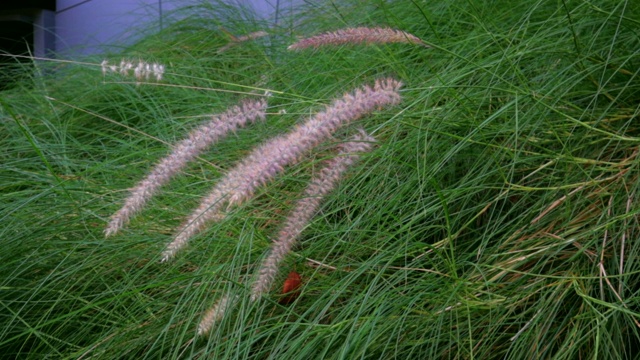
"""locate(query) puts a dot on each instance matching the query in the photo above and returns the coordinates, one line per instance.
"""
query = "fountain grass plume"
(358, 35)
(183, 152)
(215, 314)
(269, 159)
(238, 39)
(142, 70)
(306, 208)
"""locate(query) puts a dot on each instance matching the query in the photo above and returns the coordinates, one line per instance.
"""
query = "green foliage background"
(497, 217)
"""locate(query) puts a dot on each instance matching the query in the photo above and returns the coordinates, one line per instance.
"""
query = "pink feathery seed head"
(183, 152)
(269, 159)
(215, 314)
(251, 36)
(238, 39)
(321, 185)
(358, 35)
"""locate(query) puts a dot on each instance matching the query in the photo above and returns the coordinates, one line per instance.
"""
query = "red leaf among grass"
(290, 288)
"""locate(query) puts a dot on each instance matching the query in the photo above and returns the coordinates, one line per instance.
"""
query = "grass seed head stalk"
(183, 152)
(359, 35)
(306, 208)
(215, 314)
(269, 159)
(235, 40)
(142, 70)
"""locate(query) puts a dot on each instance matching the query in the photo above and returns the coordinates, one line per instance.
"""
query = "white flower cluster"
(141, 70)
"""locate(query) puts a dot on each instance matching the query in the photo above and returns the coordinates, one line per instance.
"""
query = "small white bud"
(147, 71)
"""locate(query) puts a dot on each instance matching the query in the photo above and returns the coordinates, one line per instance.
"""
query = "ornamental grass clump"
(186, 150)
(497, 220)
(269, 159)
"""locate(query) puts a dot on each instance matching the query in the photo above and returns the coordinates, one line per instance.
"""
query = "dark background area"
(16, 34)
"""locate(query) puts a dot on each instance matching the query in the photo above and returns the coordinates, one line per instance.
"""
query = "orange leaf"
(291, 285)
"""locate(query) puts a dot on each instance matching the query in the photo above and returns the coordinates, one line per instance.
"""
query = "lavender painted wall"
(93, 26)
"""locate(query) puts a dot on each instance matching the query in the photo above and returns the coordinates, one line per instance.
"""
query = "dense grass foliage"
(497, 217)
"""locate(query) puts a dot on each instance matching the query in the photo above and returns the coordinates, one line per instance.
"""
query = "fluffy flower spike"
(269, 159)
(215, 314)
(141, 71)
(183, 152)
(358, 35)
(306, 208)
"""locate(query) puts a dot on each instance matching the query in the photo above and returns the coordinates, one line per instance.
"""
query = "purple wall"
(92, 26)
